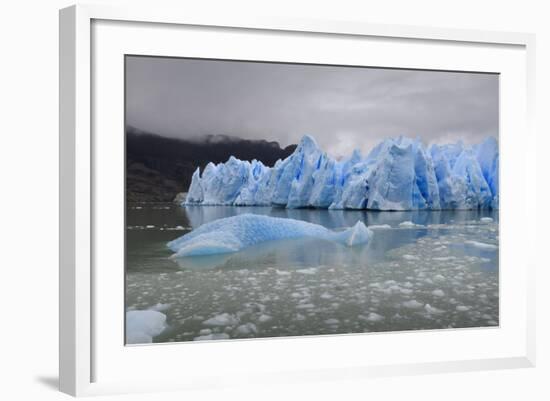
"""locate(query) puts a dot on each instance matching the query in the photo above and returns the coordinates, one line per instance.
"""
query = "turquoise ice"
(398, 174)
(232, 234)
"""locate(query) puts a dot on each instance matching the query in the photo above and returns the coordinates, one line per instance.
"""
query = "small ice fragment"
(432, 310)
(332, 322)
(407, 224)
(225, 319)
(205, 332)
(325, 295)
(311, 270)
(380, 227)
(410, 257)
(247, 328)
(374, 317)
(413, 304)
(486, 220)
(211, 337)
(282, 273)
(264, 318)
(160, 307)
(462, 308)
(482, 245)
(150, 226)
(299, 317)
(438, 293)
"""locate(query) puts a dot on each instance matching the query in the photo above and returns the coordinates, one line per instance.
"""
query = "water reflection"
(198, 215)
(441, 272)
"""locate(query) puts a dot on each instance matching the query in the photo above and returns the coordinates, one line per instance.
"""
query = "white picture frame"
(82, 159)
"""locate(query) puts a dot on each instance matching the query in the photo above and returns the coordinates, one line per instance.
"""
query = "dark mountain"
(158, 167)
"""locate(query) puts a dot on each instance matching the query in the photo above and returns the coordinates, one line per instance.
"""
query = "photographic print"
(281, 199)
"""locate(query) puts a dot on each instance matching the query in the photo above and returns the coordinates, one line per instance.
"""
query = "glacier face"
(231, 234)
(398, 174)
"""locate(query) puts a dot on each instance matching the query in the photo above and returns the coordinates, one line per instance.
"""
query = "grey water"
(438, 270)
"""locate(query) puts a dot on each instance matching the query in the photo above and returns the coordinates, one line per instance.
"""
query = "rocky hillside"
(157, 167)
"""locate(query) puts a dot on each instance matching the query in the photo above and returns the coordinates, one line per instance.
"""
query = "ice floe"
(232, 234)
(143, 325)
(482, 245)
(212, 337)
(224, 319)
(413, 304)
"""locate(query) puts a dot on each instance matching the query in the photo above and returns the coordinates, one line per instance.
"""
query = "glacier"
(398, 174)
(231, 234)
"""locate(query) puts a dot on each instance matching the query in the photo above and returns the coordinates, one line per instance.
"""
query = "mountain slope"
(157, 167)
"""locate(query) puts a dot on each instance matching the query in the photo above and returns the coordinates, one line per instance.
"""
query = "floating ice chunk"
(438, 293)
(410, 257)
(224, 319)
(310, 270)
(380, 227)
(486, 220)
(205, 332)
(160, 307)
(462, 308)
(255, 307)
(264, 318)
(406, 224)
(373, 317)
(143, 325)
(432, 310)
(247, 329)
(413, 304)
(444, 258)
(482, 245)
(282, 272)
(332, 322)
(234, 233)
(212, 337)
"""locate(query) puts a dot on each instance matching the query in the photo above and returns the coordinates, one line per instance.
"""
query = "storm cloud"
(342, 107)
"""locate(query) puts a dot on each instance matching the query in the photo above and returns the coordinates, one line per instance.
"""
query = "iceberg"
(398, 174)
(231, 234)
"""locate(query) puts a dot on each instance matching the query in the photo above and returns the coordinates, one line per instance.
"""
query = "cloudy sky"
(342, 107)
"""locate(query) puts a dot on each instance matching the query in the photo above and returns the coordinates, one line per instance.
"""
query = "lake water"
(438, 271)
